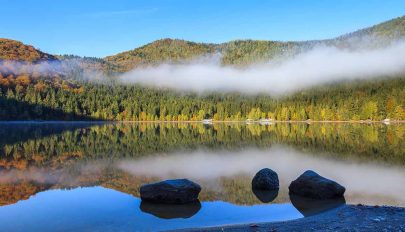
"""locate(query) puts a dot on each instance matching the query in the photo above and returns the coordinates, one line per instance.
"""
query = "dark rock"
(312, 185)
(179, 191)
(170, 211)
(265, 196)
(265, 179)
(310, 206)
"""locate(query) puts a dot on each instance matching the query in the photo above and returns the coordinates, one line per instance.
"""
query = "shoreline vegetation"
(211, 122)
(362, 101)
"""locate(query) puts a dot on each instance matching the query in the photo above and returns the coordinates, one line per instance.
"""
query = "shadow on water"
(265, 196)
(19, 132)
(14, 129)
(170, 211)
(310, 207)
(10, 109)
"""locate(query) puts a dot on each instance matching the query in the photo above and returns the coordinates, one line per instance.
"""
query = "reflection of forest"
(371, 142)
(236, 190)
(50, 158)
(10, 193)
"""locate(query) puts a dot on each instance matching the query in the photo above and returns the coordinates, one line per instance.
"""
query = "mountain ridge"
(235, 52)
(245, 52)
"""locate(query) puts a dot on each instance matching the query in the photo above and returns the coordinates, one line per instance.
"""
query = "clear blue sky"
(99, 28)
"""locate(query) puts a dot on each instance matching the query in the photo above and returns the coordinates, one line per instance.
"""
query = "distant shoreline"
(344, 218)
(212, 122)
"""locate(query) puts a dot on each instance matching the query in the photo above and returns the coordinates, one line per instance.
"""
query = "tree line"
(355, 100)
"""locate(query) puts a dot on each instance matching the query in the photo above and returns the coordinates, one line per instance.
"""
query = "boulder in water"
(178, 191)
(265, 179)
(312, 185)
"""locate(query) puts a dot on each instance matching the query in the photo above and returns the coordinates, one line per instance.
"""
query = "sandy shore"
(345, 218)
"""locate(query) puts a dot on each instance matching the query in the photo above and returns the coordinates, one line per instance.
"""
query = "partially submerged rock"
(265, 179)
(312, 185)
(178, 191)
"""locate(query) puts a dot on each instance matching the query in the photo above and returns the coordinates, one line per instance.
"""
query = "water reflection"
(16, 132)
(265, 196)
(53, 143)
(170, 211)
(310, 207)
(366, 183)
(367, 159)
(224, 176)
(103, 209)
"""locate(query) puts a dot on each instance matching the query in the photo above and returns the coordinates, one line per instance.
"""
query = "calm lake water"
(58, 176)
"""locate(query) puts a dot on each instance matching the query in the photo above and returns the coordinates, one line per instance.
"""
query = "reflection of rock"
(312, 185)
(177, 191)
(309, 206)
(169, 211)
(265, 196)
(265, 179)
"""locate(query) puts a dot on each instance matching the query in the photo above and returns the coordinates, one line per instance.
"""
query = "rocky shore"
(344, 218)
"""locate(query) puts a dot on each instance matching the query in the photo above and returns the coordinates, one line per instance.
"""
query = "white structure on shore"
(262, 121)
(207, 121)
(266, 121)
(387, 121)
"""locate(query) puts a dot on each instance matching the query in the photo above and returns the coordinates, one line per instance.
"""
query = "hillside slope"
(244, 52)
(238, 52)
(390, 30)
(164, 50)
(15, 50)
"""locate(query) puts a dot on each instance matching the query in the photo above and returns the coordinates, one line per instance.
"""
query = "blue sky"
(99, 28)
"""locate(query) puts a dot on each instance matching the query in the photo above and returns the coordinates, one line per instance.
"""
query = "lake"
(85, 176)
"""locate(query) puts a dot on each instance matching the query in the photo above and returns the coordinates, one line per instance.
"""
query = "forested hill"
(160, 51)
(17, 51)
(244, 52)
(238, 52)
(54, 95)
(393, 29)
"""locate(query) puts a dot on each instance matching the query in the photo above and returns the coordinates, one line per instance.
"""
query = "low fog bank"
(70, 175)
(360, 179)
(73, 68)
(42, 68)
(320, 65)
(316, 66)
